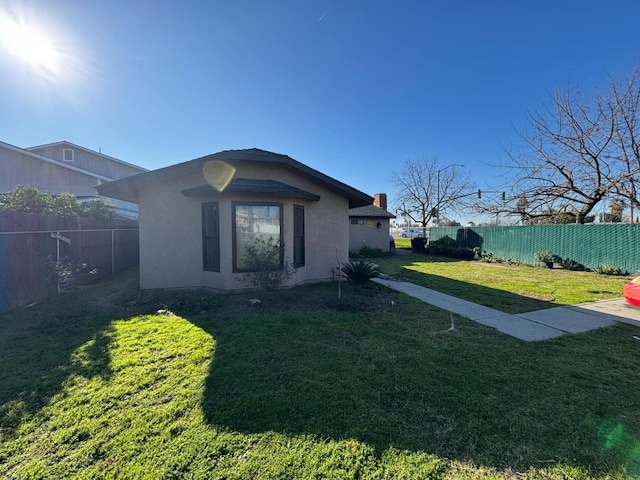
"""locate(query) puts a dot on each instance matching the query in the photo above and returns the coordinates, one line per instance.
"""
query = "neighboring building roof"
(370, 211)
(73, 145)
(54, 162)
(127, 188)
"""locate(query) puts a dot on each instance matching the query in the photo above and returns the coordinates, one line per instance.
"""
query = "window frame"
(64, 155)
(206, 264)
(234, 230)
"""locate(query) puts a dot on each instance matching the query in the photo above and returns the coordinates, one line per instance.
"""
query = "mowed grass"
(402, 242)
(509, 288)
(305, 386)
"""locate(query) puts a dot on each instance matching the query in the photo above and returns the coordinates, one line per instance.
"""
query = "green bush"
(98, 209)
(445, 246)
(463, 253)
(489, 257)
(608, 269)
(486, 257)
(365, 251)
(267, 268)
(448, 247)
(569, 264)
(445, 242)
(67, 273)
(31, 200)
(359, 272)
(547, 257)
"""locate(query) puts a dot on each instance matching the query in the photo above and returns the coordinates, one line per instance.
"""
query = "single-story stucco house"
(197, 218)
(369, 225)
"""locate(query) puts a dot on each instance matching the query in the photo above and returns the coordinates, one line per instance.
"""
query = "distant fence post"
(113, 252)
(58, 261)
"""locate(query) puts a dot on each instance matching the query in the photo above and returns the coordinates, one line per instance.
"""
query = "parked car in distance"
(411, 233)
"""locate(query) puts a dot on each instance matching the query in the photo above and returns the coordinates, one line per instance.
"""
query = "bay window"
(256, 224)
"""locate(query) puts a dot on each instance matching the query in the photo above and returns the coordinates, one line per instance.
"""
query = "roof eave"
(273, 189)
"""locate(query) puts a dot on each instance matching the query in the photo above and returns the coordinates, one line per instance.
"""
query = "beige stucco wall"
(369, 234)
(171, 231)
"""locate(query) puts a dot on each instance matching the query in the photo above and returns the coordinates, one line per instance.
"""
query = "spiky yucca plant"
(359, 271)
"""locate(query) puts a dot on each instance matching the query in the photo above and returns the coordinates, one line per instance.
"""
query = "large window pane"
(255, 224)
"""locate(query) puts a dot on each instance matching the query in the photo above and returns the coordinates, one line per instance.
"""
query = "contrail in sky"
(323, 15)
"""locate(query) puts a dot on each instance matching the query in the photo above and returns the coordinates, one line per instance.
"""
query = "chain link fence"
(591, 244)
(35, 264)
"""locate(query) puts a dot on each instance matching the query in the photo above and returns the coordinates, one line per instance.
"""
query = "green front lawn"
(305, 386)
(402, 242)
(508, 288)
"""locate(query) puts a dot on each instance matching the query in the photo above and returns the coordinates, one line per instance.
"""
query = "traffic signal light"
(479, 193)
(504, 196)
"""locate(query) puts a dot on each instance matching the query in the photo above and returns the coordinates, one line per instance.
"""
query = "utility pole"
(438, 189)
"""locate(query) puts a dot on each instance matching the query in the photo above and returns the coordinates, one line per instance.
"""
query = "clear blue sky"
(352, 88)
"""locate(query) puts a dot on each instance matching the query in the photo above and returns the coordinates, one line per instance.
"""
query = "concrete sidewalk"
(531, 326)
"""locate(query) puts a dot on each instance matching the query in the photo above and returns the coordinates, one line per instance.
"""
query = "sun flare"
(29, 44)
(32, 48)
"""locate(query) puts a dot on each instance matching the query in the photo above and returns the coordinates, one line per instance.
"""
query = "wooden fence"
(42, 255)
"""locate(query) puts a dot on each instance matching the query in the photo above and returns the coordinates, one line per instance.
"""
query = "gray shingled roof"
(265, 187)
(370, 211)
(127, 188)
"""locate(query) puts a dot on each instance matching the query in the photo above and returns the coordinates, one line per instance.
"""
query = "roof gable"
(66, 144)
(54, 161)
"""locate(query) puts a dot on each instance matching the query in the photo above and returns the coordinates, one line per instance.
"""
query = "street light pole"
(438, 189)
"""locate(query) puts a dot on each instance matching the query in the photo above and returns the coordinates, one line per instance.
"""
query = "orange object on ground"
(632, 292)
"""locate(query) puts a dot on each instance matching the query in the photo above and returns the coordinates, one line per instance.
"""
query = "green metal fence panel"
(590, 244)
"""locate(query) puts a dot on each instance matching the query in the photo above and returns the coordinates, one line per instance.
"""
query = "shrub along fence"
(41, 255)
(590, 244)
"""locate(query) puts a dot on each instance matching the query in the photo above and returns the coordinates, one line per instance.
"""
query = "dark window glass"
(298, 235)
(211, 237)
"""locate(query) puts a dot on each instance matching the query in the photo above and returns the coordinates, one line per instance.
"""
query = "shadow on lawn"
(502, 300)
(489, 297)
(470, 394)
(61, 336)
(390, 376)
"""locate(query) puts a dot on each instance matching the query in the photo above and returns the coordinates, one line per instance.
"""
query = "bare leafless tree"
(425, 188)
(580, 150)
(625, 101)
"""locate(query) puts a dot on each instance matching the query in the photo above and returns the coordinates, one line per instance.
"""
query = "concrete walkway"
(531, 326)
